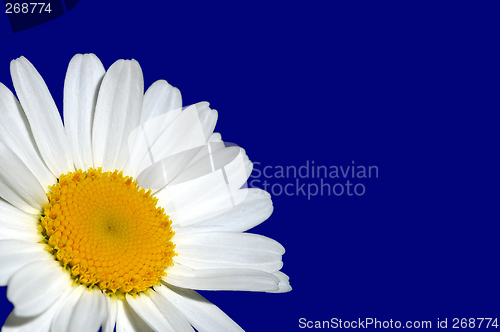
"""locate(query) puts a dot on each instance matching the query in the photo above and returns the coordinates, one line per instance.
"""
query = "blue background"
(411, 87)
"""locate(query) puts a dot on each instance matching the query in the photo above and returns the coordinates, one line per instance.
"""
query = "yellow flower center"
(107, 231)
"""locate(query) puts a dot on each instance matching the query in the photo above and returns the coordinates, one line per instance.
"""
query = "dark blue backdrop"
(409, 87)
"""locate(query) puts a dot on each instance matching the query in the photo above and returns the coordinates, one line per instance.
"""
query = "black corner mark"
(26, 14)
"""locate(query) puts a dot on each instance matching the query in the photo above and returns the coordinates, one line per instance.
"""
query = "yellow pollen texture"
(107, 231)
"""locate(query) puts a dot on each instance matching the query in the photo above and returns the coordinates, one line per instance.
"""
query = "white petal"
(11, 210)
(208, 118)
(161, 98)
(200, 313)
(43, 116)
(255, 208)
(214, 144)
(40, 323)
(84, 310)
(18, 185)
(109, 324)
(158, 175)
(29, 234)
(159, 138)
(149, 312)
(32, 296)
(161, 105)
(170, 312)
(15, 254)
(215, 138)
(117, 114)
(231, 161)
(63, 317)
(90, 312)
(228, 250)
(15, 132)
(221, 279)
(197, 199)
(284, 285)
(127, 320)
(207, 188)
(18, 225)
(210, 163)
(81, 86)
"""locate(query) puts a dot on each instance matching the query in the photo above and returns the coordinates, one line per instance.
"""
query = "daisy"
(114, 219)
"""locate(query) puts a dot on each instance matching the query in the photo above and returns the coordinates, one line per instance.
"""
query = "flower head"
(115, 218)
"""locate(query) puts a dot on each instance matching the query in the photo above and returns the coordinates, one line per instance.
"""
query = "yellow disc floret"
(107, 231)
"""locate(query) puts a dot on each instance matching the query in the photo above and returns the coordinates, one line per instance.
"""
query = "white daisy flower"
(117, 217)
